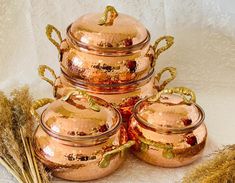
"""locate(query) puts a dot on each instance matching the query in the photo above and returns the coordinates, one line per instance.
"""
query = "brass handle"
(167, 148)
(38, 104)
(41, 72)
(169, 42)
(105, 20)
(183, 91)
(157, 78)
(91, 102)
(107, 156)
(49, 31)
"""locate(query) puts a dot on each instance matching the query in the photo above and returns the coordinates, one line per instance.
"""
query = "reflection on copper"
(76, 155)
(165, 145)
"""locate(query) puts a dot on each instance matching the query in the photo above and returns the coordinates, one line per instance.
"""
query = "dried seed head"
(45, 176)
(219, 168)
(9, 148)
(21, 104)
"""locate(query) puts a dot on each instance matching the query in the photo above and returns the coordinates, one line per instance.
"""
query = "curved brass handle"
(41, 72)
(49, 30)
(169, 42)
(38, 104)
(91, 102)
(172, 72)
(167, 148)
(107, 156)
(105, 20)
(183, 91)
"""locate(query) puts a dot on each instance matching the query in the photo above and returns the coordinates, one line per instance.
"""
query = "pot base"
(90, 172)
(183, 156)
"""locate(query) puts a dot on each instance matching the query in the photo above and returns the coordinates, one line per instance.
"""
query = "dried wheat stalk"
(10, 151)
(44, 174)
(219, 169)
(16, 132)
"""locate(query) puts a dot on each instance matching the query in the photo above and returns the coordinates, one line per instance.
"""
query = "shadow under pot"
(122, 96)
(168, 128)
(114, 51)
(79, 137)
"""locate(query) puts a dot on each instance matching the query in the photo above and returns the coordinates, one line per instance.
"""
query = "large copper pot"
(107, 48)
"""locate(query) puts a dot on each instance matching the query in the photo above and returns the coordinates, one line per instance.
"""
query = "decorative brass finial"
(105, 20)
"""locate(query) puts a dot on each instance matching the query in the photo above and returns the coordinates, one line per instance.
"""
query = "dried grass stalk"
(43, 173)
(15, 173)
(21, 105)
(9, 149)
(22, 102)
(219, 169)
(16, 132)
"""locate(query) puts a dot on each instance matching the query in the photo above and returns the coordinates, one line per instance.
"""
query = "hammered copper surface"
(108, 48)
(80, 137)
(168, 133)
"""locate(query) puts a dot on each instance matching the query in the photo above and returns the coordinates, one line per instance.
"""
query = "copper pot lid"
(108, 31)
(170, 113)
(80, 116)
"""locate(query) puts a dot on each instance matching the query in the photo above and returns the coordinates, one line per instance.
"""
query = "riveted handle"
(157, 78)
(105, 161)
(92, 103)
(108, 20)
(157, 51)
(41, 72)
(38, 104)
(49, 30)
(182, 91)
(167, 148)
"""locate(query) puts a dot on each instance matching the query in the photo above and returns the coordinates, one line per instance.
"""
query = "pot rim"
(109, 51)
(168, 130)
(81, 83)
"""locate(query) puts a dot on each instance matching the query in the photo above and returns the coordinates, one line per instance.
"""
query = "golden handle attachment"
(105, 20)
(182, 91)
(91, 102)
(38, 104)
(157, 51)
(157, 78)
(49, 31)
(167, 148)
(107, 156)
(41, 72)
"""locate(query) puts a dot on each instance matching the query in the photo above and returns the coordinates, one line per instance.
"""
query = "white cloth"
(203, 53)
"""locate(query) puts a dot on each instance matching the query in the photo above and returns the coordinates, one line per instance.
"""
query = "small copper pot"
(123, 96)
(169, 130)
(80, 137)
(107, 48)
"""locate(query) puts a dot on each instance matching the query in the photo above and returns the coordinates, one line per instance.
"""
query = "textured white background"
(204, 54)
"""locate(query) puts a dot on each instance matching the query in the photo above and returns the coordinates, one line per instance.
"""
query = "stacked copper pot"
(107, 66)
(109, 56)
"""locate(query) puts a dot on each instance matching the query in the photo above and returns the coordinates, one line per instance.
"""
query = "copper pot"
(107, 48)
(123, 96)
(80, 137)
(169, 130)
